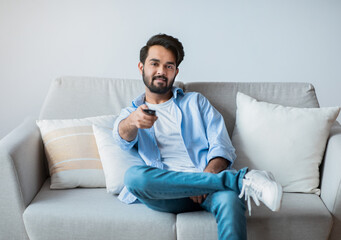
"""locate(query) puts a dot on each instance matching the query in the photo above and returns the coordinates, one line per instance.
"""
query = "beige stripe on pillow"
(71, 151)
(76, 164)
(72, 148)
(63, 132)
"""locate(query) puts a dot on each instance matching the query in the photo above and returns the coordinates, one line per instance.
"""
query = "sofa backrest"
(222, 95)
(78, 97)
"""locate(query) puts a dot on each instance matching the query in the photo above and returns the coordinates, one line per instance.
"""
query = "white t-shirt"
(169, 140)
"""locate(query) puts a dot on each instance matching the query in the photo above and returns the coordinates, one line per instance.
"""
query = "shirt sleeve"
(220, 144)
(124, 144)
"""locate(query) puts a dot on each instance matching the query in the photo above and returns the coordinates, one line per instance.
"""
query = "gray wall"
(253, 40)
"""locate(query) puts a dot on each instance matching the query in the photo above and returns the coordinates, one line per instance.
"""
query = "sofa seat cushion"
(93, 214)
(302, 216)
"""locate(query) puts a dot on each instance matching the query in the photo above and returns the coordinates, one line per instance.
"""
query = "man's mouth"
(161, 78)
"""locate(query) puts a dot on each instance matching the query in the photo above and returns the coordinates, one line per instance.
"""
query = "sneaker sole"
(279, 193)
(278, 199)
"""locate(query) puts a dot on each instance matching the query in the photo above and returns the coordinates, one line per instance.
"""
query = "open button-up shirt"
(202, 128)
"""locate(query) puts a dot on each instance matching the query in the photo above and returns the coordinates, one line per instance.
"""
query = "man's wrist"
(216, 165)
(127, 130)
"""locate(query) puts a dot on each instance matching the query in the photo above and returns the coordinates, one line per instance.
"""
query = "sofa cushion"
(93, 214)
(71, 151)
(222, 95)
(79, 97)
(302, 216)
(115, 161)
(287, 141)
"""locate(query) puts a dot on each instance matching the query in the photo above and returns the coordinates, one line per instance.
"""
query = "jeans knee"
(134, 178)
(228, 202)
(229, 212)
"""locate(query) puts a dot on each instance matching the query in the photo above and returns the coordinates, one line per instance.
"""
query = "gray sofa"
(30, 210)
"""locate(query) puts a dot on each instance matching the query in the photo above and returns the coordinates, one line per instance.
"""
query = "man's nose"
(161, 70)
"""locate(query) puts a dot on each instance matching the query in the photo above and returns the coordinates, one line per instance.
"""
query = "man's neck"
(155, 98)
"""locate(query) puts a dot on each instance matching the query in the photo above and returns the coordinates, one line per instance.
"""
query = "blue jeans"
(169, 191)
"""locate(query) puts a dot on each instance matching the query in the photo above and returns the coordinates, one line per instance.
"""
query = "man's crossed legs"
(169, 191)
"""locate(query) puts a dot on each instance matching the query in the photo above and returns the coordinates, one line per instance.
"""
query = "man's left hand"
(215, 165)
(199, 199)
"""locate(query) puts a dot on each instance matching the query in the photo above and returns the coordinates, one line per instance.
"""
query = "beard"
(155, 88)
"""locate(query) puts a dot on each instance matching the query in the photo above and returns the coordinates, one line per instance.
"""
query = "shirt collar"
(141, 99)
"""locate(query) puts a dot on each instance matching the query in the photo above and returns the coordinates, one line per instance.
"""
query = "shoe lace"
(250, 190)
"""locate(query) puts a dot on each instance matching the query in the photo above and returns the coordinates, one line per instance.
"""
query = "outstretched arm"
(137, 119)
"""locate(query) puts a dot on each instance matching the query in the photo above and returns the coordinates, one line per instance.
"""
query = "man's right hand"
(137, 119)
(140, 119)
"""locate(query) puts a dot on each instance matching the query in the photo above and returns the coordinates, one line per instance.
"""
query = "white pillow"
(72, 153)
(115, 160)
(287, 141)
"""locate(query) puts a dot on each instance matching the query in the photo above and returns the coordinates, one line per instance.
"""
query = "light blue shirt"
(202, 128)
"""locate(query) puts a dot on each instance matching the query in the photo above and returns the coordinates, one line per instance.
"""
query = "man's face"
(159, 70)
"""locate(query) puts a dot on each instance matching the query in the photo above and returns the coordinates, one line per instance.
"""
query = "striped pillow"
(72, 153)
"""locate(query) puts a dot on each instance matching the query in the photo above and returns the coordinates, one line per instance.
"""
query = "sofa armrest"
(331, 179)
(22, 174)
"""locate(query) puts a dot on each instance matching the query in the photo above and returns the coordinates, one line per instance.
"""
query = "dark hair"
(168, 42)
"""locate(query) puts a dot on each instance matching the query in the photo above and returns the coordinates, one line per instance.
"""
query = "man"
(186, 148)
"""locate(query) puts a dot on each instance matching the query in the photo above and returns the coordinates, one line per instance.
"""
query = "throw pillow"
(115, 160)
(71, 151)
(287, 141)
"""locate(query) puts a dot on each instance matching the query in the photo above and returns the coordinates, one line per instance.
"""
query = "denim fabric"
(202, 129)
(169, 191)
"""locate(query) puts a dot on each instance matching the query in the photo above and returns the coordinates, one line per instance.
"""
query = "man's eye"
(154, 64)
(170, 67)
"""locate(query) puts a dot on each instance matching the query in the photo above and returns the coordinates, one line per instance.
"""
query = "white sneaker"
(261, 185)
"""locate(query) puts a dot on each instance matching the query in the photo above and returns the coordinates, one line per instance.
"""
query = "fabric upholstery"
(115, 161)
(21, 176)
(298, 212)
(331, 179)
(223, 95)
(93, 214)
(79, 97)
(71, 151)
(287, 141)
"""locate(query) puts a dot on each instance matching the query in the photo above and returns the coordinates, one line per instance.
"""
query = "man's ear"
(140, 66)
(177, 71)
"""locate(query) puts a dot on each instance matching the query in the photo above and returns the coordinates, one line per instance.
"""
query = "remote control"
(149, 111)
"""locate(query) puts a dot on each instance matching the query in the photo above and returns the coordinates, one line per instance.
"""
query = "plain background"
(249, 41)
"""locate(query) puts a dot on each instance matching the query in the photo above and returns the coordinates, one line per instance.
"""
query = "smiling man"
(160, 75)
(187, 151)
